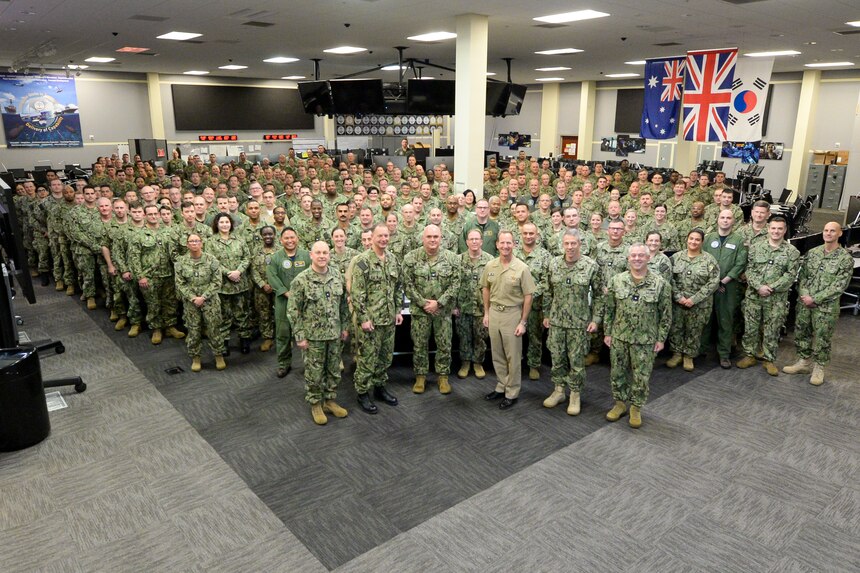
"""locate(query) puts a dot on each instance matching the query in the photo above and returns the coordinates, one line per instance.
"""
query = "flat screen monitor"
(505, 99)
(434, 97)
(316, 98)
(516, 96)
(357, 96)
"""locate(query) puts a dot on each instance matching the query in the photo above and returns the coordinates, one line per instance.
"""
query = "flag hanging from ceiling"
(664, 83)
(708, 94)
(749, 95)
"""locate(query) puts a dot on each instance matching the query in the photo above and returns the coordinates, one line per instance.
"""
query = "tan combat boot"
(219, 363)
(556, 398)
(174, 332)
(534, 374)
(592, 358)
(70, 290)
(635, 417)
(688, 363)
(675, 361)
(120, 324)
(746, 362)
(267, 345)
(91, 303)
(157, 336)
(418, 388)
(60, 286)
(573, 407)
(802, 366)
(113, 316)
(195, 364)
(817, 378)
(479, 371)
(333, 408)
(771, 368)
(318, 415)
(618, 410)
(464, 370)
(444, 387)
(134, 330)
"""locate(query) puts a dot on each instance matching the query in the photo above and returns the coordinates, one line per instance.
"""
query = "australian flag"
(664, 81)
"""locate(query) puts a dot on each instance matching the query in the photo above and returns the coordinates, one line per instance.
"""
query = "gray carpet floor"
(733, 470)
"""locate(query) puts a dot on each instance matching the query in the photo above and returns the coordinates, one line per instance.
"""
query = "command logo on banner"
(749, 96)
(40, 111)
(708, 94)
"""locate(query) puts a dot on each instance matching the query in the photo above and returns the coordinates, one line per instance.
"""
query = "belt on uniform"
(503, 308)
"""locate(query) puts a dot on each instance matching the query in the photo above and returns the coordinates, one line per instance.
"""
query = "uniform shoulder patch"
(362, 265)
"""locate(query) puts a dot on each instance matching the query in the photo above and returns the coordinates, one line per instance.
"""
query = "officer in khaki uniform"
(508, 287)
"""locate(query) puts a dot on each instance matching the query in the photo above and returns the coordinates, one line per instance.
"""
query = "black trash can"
(24, 418)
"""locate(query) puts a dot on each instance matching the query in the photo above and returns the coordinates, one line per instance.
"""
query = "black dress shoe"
(381, 393)
(367, 404)
(246, 346)
(507, 403)
(494, 396)
(282, 372)
(45, 279)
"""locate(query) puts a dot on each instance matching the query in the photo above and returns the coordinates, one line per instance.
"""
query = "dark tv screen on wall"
(210, 108)
(628, 110)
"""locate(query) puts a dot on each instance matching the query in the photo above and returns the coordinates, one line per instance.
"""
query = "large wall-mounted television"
(504, 98)
(357, 96)
(215, 108)
(316, 98)
(433, 97)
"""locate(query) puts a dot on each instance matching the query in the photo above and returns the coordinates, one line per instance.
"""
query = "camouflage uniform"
(538, 262)
(319, 313)
(280, 272)
(232, 254)
(661, 265)
(376, 296)
(764, 317)
(38, 215)
(264, 303)
(149, 256)
(712, 213)
(696, 278)
(678, 212)
(436, 278)
(126, 301)
(567, 294)
(80, 223)
(612, 261)
(64, 270)
(200, 277)
(636, 316)
(751, 236)
(824, 277)
(471, 331)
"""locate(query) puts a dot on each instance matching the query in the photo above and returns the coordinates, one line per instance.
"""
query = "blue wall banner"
(40, 111)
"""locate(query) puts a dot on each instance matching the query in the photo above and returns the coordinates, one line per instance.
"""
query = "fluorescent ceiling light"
(829, 64)
(571, 16)
(344, 50)
(771, 54)
(855, 23)
(77, 67)
(280, 60)
(97, 60)
(622, 75)
(393, 68)
(554, 69)
(132, 50)
(232, 67)
(293, 78)
(636, 63)
(549, 79)
(558, 51)
(491, 73)
(178, 36)
(195, 73)
(433, 37)
(427, 78)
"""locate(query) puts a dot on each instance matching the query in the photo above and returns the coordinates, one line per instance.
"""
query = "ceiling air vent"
(550, 26)
(258, 24)
(666, 44)
(146, 18)
(848, 32)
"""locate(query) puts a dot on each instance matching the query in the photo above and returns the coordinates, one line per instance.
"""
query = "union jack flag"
(708, 94)
(672, 80)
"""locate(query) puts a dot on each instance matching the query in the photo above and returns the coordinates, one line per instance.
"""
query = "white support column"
(471, 94)
(549, 112)
(586, 119)
(852, 174)
(798, 166)
(156, 112)
(328, 131)
(685, 159)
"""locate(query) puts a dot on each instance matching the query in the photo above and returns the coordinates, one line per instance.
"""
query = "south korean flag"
(749, 95)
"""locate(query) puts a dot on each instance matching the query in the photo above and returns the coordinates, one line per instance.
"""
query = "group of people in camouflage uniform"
(306, 252)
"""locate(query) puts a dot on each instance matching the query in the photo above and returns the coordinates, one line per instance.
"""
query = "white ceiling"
(304, 28)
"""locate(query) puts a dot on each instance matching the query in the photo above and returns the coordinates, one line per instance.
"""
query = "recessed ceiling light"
(549, 79)
(491, 73)
(77, 66)
(98, 60)
(558, 51)
(427, 78)
(771, 54)
(293, 77)
(855, 23)
(571, 16)
(178, 36)
(132, 50)
(830, 64)
(622, 75)
(232, 67)
(636, 63)
(393, 68)
(344, 50)
(280, 60)
(433, 37)
(553, 69)
(195, 73)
